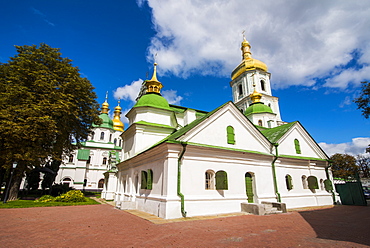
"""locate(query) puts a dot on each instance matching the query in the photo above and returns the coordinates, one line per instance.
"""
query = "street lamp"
(10, 181)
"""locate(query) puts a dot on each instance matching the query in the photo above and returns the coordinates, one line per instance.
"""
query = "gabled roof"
(274, 134)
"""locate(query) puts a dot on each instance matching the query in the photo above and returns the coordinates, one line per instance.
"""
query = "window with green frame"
(147, 179)
(312, 182)
(328, 185)
(221, 180)
(289, 182)
(230, 135)
(297, 146)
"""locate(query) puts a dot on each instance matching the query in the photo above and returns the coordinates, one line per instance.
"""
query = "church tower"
(250, 76)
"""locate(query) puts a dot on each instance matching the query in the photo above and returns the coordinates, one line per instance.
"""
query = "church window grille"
(210, 180)
(304, 182)
(221, 180)
(101, 135)
(260, 123)
(70, 159)
(147, 179)
(263, 85)
(312, 182)
(297, 146)
(289, 182)
(100, 183)
(230, 135)
(105, 160)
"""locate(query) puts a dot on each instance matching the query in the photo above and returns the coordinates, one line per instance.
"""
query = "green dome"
(152, 100)
(257, 108)
(107, 122)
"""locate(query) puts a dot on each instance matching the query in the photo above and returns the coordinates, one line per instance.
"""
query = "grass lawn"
(31, 204)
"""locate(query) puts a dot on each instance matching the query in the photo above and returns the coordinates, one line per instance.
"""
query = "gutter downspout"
(327, 176)
(274, 172)
(183, 212)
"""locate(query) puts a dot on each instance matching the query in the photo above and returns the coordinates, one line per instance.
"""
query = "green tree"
(343, 165)
(46, 106)
(363, 101)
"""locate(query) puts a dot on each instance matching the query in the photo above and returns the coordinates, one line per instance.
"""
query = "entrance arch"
(249, 187)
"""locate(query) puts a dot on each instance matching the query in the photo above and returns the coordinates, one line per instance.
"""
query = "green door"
(249, 187)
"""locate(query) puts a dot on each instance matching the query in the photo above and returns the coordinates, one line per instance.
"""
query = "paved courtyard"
(104, 226)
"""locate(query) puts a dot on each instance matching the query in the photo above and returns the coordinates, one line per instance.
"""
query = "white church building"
(179, 162)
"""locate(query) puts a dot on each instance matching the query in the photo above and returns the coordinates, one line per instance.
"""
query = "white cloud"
(299, 40)
(356, 146)
(129, 91)
(172, 97)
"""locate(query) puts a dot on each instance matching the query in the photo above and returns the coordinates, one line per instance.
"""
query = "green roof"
(106, 121)
(153, 124)
(153, 100)
(274, 134)
(257, 108)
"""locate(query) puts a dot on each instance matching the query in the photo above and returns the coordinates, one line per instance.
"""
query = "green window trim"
(230, 135)
(221, 180)
(289, 182)
(149, 184)
(312, 182)
(297, 146)
(144, 176)
(328, 185)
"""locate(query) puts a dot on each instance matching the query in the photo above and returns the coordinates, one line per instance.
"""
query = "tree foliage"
(46, 107)
(344, 165)
(363, 101)
(363, 163)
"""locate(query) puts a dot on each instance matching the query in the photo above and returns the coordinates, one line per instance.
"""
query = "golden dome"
(105, 105)
(153, 85)
(117, 123)
(248, 63)
(255, 96)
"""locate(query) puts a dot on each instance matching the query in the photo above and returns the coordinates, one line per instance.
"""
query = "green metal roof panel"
(153, 124)
(256, 108)
(83, 154)
(153, 100)
(274, 134)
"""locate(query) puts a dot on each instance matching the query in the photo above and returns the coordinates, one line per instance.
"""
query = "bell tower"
(249, 76)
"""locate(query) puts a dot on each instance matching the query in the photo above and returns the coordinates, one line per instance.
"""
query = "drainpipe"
(327, 176)
(183, 212)
(274, 172)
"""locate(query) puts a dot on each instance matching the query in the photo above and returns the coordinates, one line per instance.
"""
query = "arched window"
(115, 142)
(304, 182)
(100, 183)
(70, 159)
(289, 182)
(240, 90)
(101, 135)
(312, 182)
(66, 181)
(105, 160)
(120, 142)
(110, 138)
(230, 135)
(88, 161)
(147, 179)
(92, 135)
(297, 146)
(221, 180)
(210, 180)
(328, 185)
(260, 123)
(263, 85)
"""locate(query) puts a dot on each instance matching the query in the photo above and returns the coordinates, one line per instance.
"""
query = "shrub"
(71, 196)
(45, 198)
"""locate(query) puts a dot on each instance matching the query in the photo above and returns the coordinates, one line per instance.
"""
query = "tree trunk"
(15, 184)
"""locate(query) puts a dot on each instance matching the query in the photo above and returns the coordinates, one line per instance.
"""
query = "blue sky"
(317, 52)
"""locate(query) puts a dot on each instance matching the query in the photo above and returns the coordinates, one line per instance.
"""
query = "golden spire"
(105, 105)
(153, 85)
(117, 123)
(255, 96)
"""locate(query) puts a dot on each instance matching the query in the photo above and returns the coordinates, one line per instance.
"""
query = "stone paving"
(104, 226)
